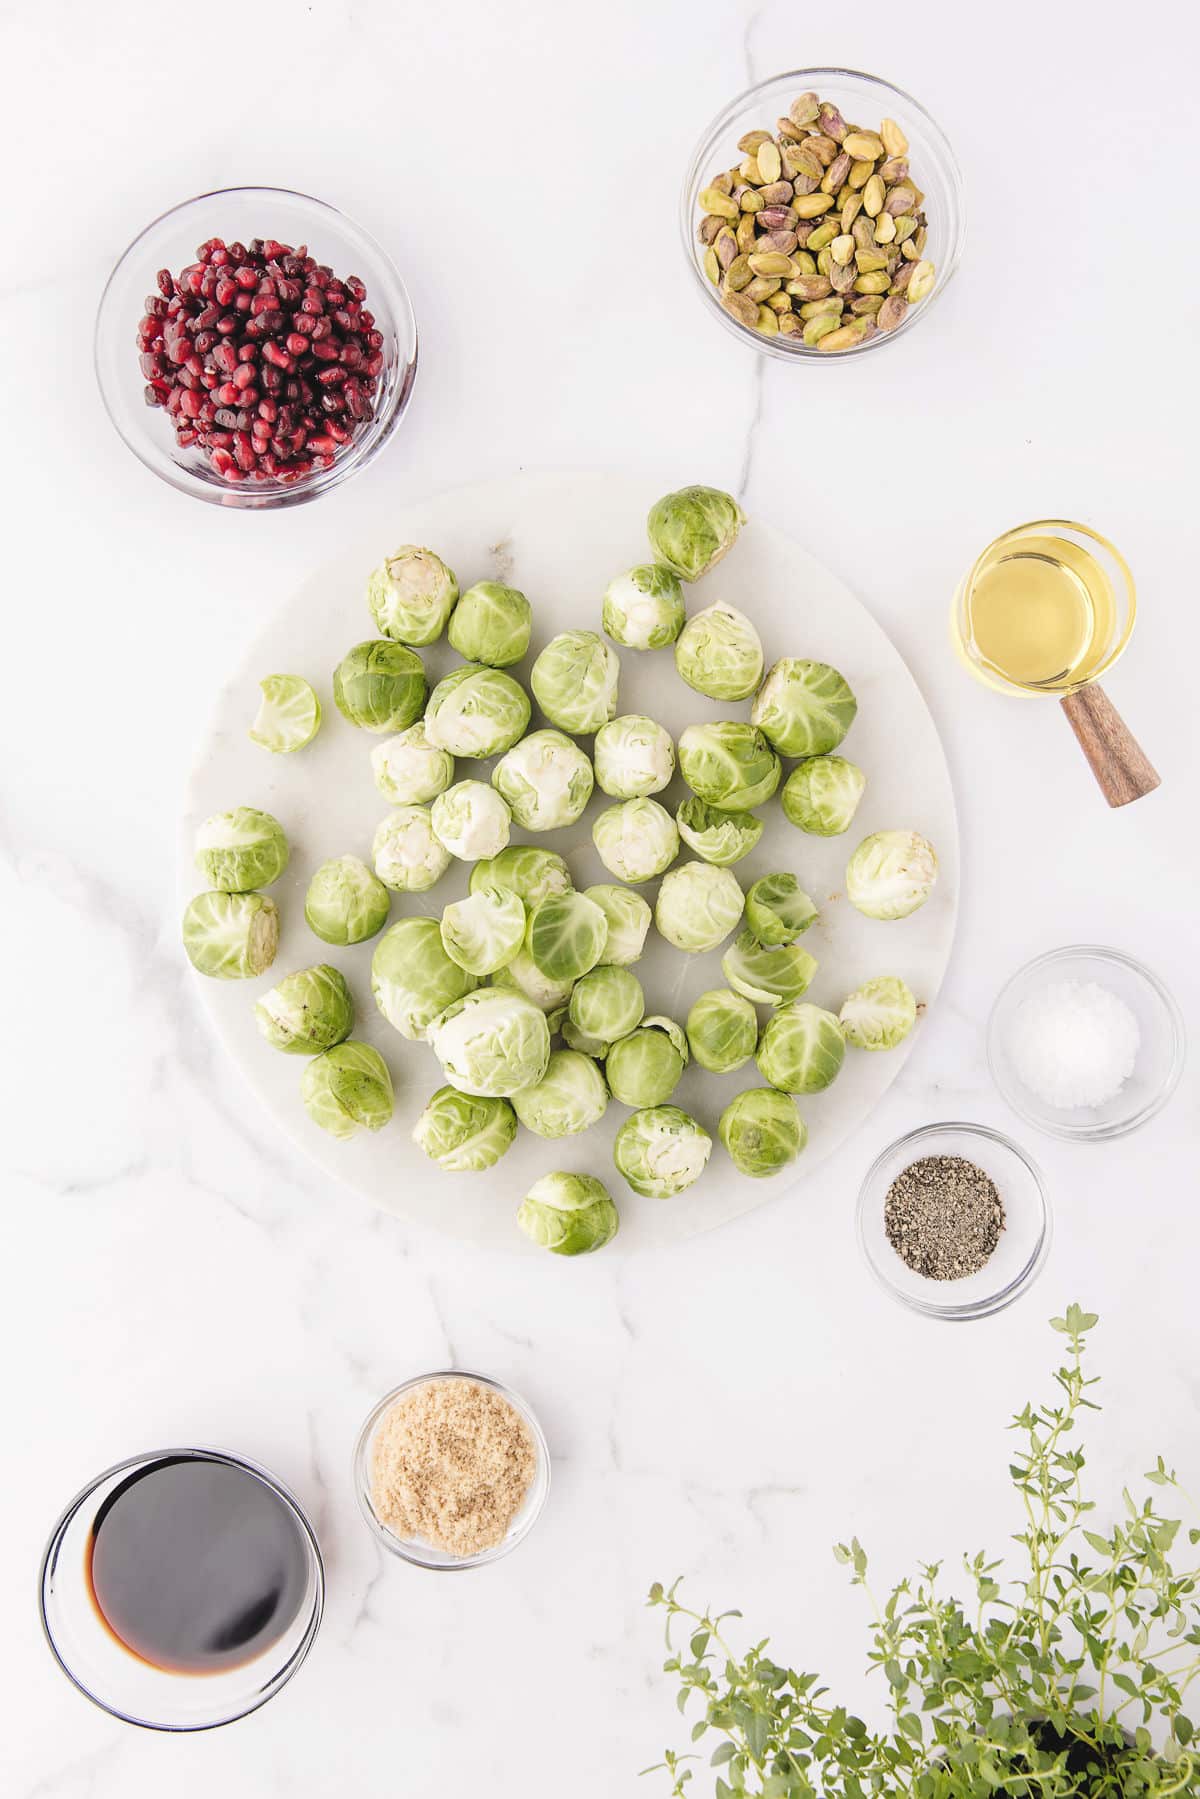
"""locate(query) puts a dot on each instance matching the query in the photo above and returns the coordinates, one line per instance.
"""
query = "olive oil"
(1041, 613)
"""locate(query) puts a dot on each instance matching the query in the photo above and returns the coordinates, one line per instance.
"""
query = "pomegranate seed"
(321, 328)
(366, 319)
(338, 432)
(296, 345)
(184, 438)
(228, 325)
(243, 375)
(189, 404)
(355, 287)
(268, 410)
(281, 359)
(225, 358)
(166, 283)
(375, 363)
(326, 350)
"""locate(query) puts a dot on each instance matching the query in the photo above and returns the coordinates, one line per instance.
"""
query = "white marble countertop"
(172, 1271)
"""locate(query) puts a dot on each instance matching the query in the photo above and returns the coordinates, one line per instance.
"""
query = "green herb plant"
(1068, 1678)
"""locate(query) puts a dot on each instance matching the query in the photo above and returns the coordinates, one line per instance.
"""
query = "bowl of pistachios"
(822, 214)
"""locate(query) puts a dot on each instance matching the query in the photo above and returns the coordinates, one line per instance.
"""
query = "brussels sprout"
(231, 936)
(768, 974)
(477, 712)
(643, 608)
(778, 910)
(546, 780)
(346, 902)
(412, 977)
(569, 1214)
(729, 764)
(574, 1038)
(411, 595)
(307, 1012)
(523, 975)
(722, 1030)
(606, 1004)
(763, 1131)
(347, 1087)
(464, 1133)
(698, 905)
(493, 1041)
(879, 1014)
(661, 1150)
(532, 874)
(718, 837)
(636, 839)
(409, 770)
(566, 936)
(634, 757)
(691, 530)
(380, 686)
(471, 821)
(720, 654)
(574, 681)
(802, 1049)
(891, 874)
(644, 1068)
(821, 795)
(289, 716)
(556, 1018)
(483, 932)
(242, 850)
(406, 854)
(803, 708)
(570, 1097)
(628, 916)
(491, 625)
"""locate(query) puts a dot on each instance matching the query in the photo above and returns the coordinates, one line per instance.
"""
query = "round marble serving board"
(560, 537)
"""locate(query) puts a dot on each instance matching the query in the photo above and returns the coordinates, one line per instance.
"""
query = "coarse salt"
(1074, 1044)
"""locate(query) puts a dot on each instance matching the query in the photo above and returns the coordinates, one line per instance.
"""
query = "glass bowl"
(242, 213)
(1161, 1053)
(118, 1680)
(1024, 1243)
(415, 1549)
(865, 100)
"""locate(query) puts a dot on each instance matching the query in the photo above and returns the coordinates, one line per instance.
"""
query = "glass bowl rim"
(1102, 1132)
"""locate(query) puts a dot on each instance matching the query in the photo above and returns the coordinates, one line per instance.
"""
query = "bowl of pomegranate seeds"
(255, 370)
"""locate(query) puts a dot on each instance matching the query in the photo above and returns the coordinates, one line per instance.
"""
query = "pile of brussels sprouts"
(525, 959)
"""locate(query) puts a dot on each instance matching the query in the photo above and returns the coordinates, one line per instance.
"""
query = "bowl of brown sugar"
(451, 1470)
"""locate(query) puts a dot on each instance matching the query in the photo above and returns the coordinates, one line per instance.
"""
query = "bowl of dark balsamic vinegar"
(182, 1589)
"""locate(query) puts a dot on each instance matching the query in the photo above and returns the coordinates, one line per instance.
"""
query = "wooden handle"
(1117, 759)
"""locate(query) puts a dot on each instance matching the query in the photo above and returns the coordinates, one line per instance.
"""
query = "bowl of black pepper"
(954, 1221)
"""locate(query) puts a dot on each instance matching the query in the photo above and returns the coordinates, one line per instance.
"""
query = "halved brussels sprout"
(803, 708)
(570, 1097)
(231, 936)
(532, 874)
(406, 854)
(566, 936)
(574, 681)
(722, 1030)
(483, 932)
(661, 1150)
(778, 910)
(698, 906)
(634, 757)
(636, 839)
(413, 979)
(762, 1131)
(289, 716)
(347, 1087)
(730, 764)
(380, 686)
(628, 916)
(477, 712)
(464, 1133)
(606, 1004)
(643, 608)
(720, 654)
(546, 780)
(523, 975)
(471, 820)
(409, 770)
(802, 1049)
(569, 1214)
(718, 837)
(492, 1042)
(411, 595)
(692, 529)
(891, 874)
(346, 902)
(821, 795)
(307, 1012)
(879, 1014)
(770, 974)
(644, 1068)
(491, 624)
(242, 850)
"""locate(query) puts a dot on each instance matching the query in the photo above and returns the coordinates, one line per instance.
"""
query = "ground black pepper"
(943, 1217)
